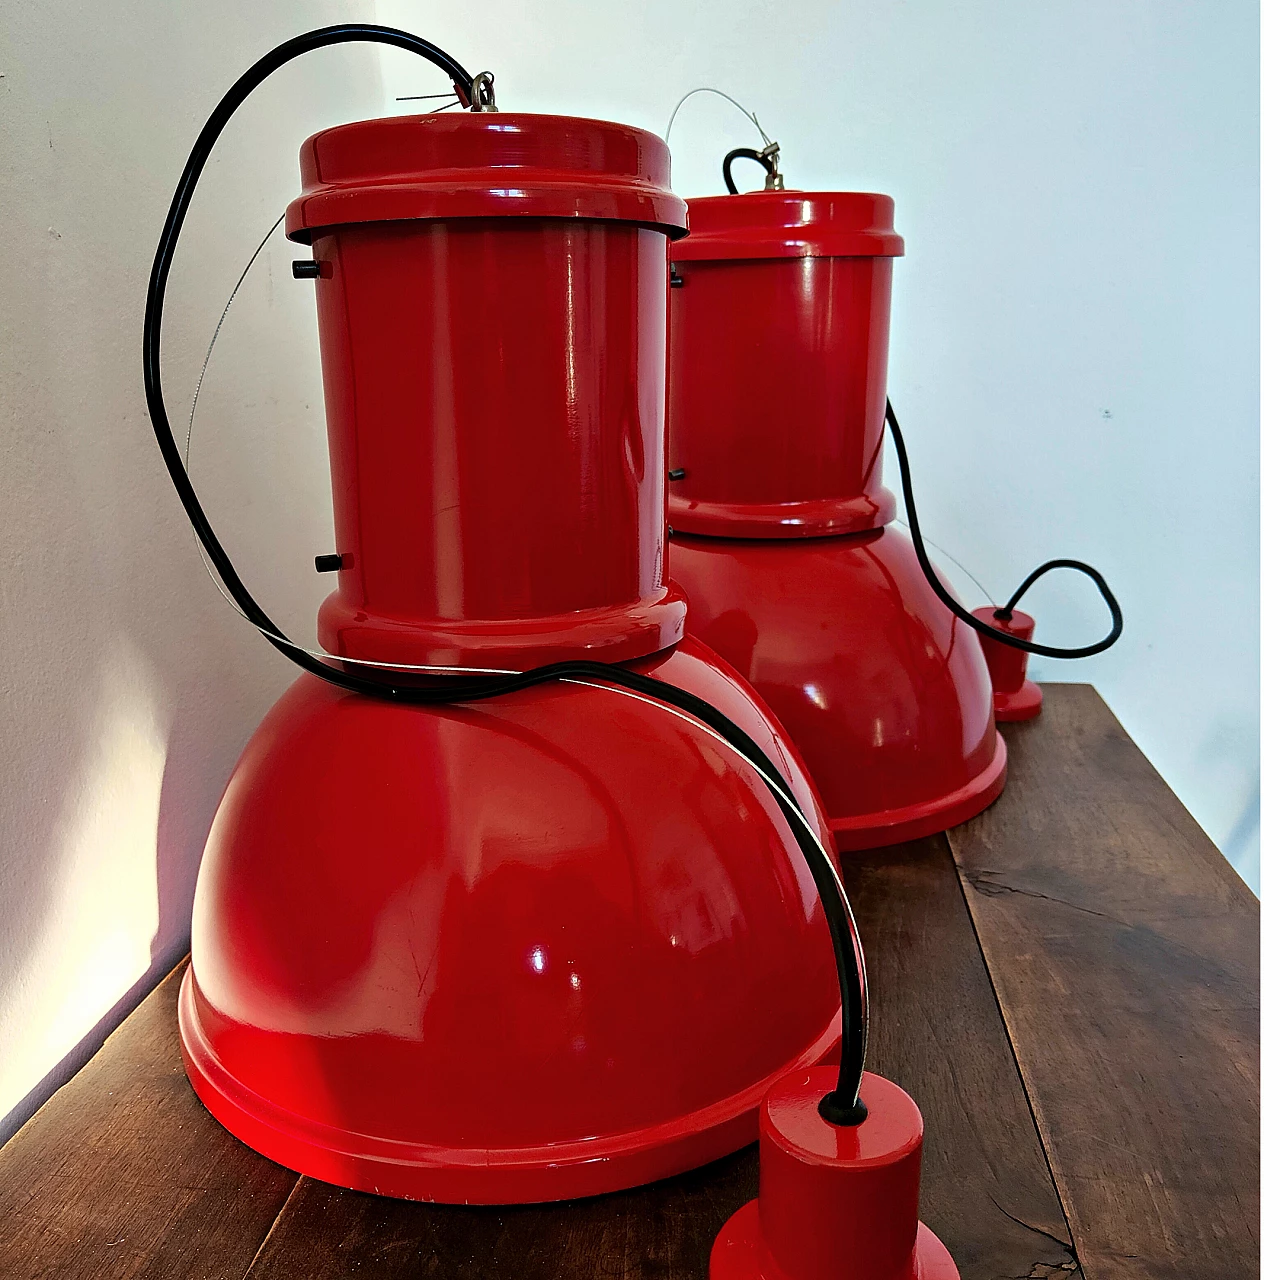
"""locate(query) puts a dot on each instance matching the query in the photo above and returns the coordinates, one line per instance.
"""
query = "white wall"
(129, 687)
(1077, 186)
(1075, 323)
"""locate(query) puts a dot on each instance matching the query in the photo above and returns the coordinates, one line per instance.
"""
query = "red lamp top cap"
(484, 165)
(892, 1130)
(790, 224)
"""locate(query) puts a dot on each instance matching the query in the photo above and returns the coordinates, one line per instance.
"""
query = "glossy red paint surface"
(494, 387)
(778, 363)
(776, 401)
(835, 1202)
(538, 947)
(1016, 697)
(789, 224)
(882, 689)
(484, 165)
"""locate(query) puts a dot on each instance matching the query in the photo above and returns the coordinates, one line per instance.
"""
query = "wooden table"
(1068, 985)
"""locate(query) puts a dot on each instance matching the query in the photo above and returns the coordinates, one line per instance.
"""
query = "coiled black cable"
(843, 1105)
(1014, 642)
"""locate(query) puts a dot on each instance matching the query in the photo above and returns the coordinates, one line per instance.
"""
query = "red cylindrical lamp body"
(497, 466)
(782, 525)
(779, 364)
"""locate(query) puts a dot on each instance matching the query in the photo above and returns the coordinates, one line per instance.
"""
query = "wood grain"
(1124, 951)
(663, 1230)
(123, 1174)
(937, 1031)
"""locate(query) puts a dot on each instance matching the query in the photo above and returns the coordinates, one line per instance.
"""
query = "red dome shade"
(541, 947)
(882, 688)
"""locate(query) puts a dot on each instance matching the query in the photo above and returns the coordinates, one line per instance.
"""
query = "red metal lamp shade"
(782, 537)
(561, 941)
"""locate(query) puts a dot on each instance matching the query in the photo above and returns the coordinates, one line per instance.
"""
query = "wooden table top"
(1067, 985)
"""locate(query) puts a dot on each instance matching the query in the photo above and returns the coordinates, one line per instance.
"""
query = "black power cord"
(843, 1105)
(1014, 642)
(763, 158)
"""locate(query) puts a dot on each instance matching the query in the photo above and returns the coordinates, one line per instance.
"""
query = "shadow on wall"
(86, 921)
(99, 883)
(129, 687)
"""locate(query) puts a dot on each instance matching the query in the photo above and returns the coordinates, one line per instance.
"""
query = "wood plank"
(123, 1174)
(663, 1230)
(1124, 951)
(937, 1030)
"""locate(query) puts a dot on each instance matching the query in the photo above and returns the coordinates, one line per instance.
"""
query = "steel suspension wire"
(1014, 642)
(720, 93)
(843, 1105)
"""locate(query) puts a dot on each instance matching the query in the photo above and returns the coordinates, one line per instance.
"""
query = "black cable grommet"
(834, 1111)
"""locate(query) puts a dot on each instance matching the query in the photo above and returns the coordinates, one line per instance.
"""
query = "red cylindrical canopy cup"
(782, 525)
(554, 943)
(1016, 697)
(836, 1202)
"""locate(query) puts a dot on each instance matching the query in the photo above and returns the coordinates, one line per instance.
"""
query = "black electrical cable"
(842, 1105)
(1014, 642)
(742, 153)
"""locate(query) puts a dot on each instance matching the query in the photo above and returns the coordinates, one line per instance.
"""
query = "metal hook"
(766, 157)
(771, 155)
(483, 97)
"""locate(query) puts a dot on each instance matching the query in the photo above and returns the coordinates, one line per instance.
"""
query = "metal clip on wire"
(766, 156)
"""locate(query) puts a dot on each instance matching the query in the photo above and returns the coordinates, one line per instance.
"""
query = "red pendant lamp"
(781, 525)
(562, 940)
